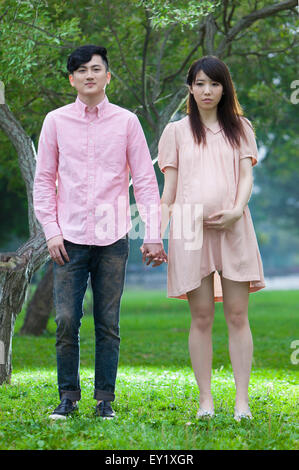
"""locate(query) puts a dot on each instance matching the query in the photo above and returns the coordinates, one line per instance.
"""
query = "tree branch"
(10, 261)
(157, 88)
(122, 56)
(248, 20)
(210, 34)
(187, 59)
(30, 25)
(144, 58)
(26, 155)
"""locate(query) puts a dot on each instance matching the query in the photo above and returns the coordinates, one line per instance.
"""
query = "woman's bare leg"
(201, 303)
(235, 306)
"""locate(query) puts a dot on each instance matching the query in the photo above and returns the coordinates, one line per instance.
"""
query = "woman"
(207, 160)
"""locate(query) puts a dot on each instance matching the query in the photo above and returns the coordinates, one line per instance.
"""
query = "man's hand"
(153, 252)
(56, 249)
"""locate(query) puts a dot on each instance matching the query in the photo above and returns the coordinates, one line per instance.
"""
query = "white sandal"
(201, 413)
(244, 415)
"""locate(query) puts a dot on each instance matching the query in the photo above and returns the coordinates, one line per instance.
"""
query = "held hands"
(153, 252)
(223, 220)
(56, 249)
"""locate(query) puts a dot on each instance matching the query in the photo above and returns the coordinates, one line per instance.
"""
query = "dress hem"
(183, 294)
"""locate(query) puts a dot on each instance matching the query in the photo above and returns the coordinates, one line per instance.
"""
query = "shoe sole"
(105, 417)
(57, 417)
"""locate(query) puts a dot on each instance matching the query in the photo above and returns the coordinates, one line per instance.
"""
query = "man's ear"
(71, 79)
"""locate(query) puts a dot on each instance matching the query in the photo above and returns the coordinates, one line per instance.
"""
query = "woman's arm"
(168, 196)
(167, 199)
(244, 186)
(224, 219)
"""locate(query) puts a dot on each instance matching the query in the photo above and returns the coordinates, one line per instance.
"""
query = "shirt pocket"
(112, 152)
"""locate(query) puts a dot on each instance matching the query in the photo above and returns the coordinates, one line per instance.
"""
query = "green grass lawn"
(156, 393)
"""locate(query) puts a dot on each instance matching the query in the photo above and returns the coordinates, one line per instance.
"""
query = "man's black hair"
(83, 54)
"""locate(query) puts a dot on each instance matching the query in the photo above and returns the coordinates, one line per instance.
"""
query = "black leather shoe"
(104, 409)
(63, 410)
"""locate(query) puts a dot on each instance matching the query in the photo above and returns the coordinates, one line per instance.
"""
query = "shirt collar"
(82, 107)
(214, 128)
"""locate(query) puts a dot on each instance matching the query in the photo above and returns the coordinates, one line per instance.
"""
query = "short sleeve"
(167, 149)
(249, 148)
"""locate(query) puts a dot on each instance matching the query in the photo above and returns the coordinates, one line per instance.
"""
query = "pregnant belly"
(215, 199)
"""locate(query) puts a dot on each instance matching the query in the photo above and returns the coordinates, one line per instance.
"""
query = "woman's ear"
(190, 89)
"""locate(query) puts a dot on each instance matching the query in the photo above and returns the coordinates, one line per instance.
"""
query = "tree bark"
(17, 269)
(40, 306)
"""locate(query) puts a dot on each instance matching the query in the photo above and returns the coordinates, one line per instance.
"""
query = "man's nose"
(89, 73)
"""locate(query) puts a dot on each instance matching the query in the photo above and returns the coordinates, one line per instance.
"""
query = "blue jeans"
(106, 266)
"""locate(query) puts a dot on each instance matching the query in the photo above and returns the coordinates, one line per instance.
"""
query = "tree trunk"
(17, 269)
(40, 306)
(13, 289)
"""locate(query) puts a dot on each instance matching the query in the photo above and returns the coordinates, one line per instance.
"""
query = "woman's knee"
(236, 316)
(203, 317)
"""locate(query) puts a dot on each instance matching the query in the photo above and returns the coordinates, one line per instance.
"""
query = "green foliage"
(156, 392)
(31, 41)
(185, 14)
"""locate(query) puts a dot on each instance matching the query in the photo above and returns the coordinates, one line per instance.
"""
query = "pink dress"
(208, 176)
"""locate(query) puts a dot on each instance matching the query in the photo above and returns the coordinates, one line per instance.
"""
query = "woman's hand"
(156, 255)
(223, 220)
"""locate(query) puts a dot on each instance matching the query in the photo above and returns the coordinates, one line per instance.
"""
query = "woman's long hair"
(228, 109)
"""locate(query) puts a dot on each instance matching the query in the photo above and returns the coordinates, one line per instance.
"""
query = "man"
(89, 147)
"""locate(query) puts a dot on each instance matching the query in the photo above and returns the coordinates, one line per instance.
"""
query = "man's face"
(91, 78)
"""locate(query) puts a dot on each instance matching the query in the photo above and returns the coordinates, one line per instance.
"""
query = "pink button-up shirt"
(81, 185)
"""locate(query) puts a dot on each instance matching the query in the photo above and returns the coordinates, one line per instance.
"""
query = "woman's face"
(207, 93)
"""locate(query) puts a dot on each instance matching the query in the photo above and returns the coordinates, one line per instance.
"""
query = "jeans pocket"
(118, 248)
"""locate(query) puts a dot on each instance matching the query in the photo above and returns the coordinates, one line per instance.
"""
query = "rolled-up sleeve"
(145, 185)
(44, 187)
